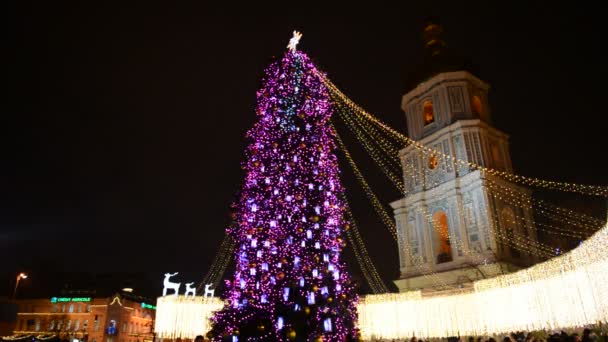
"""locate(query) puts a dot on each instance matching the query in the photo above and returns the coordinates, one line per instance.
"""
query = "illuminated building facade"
(449, 222)
(110, 319)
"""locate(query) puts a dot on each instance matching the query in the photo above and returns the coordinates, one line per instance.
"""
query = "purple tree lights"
(289, 283)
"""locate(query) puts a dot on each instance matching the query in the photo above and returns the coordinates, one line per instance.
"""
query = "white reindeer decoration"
(170, 285)
(208, 290)
(190, 290)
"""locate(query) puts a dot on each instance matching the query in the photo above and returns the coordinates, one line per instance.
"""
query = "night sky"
(124, 126)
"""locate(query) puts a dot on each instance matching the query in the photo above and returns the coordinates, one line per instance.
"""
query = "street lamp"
(19, 277)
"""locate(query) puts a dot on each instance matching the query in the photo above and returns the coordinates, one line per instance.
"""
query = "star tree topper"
(294, 41)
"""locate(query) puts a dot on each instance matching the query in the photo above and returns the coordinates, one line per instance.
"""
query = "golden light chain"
(454, 238)
(361, 136)
(367, 266)
(382, 163)
(518, 203)
(219, 264)
(375, 202)
(390, 148)
(458, 241)
(595, 190)
(362, 139)
(384, 217)
(528, 241)
(367, 259)
(586, 221)
(467, 251)
(434, 224)
(362, 266)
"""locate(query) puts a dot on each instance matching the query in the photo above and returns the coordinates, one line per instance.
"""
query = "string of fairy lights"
(567, 291)
(362, 255)
(389, 223)
(367, 130)
(385, 153)
(594, 190)
(361, 136)
(219, 264)
(383, 215)
(383, 144)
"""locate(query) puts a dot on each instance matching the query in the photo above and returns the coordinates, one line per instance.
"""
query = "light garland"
(567, 291)
(362, 255)
(181, 317)
(528, 245)
(594, 190)
(219, 264)
(381, 212)
(588, 223)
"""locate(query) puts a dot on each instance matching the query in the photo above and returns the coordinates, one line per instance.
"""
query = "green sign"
(148, 306)
(70, 299)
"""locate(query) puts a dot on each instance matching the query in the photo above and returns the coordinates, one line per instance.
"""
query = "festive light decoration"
(570, 290)
(169, 285)
(219, 264)
(377, 146)
(361, 254)
(594, 190)
(184, 317)
(289, 218)
(382, 213)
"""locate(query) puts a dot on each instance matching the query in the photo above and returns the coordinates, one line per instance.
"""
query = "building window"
(52, 325)
(509, 223)
(88, 307)
(78, 308)
(96, 324)
(443, 248)
(497, 156)
(55, 308)
(71, 309)
(68, 325)
(37, 325)
(433, 162)
(477, 107)
(85, 324)
(63, 308)
(428, 113)
(76, 325)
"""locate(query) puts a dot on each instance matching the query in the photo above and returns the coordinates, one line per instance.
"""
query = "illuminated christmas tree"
(289, 283)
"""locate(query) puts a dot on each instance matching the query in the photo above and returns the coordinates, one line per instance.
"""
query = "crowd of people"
(586, 335)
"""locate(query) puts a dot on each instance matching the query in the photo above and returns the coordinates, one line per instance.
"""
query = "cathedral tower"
(450, 221)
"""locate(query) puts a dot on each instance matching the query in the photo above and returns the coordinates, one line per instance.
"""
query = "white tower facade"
(451, 221)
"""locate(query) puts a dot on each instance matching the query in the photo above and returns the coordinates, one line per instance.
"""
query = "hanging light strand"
(381, 212)
(219, 264)
(362, 255)
(594, 190)
(531, 247)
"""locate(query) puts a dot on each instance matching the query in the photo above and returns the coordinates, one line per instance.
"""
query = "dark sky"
(124, 126)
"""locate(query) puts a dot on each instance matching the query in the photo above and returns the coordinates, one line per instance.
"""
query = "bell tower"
(449, 221)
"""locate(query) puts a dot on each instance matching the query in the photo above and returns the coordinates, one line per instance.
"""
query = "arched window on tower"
(428, 112)
(441, 241)
(477, 107)
(509, 224)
